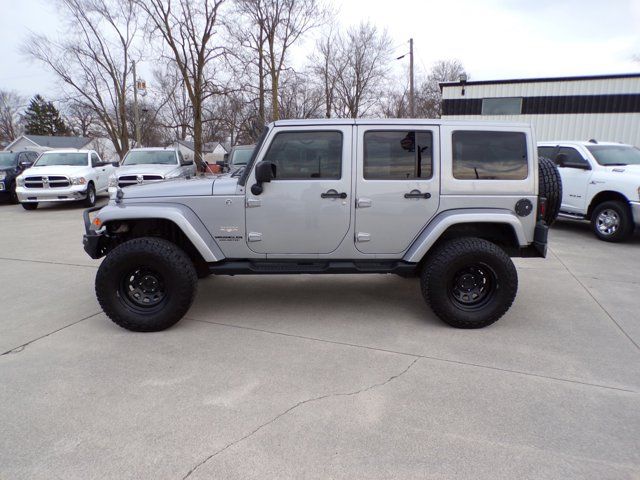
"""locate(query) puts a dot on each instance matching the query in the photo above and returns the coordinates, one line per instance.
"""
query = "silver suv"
(447, 201)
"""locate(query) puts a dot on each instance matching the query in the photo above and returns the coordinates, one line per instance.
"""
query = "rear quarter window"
(489, 155)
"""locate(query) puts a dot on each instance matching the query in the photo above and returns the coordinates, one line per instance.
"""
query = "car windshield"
(7, 159)
(612, 155)
(150, 157)
(241, 156)
(49, 159)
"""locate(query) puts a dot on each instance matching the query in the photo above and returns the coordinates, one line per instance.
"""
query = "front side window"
(615, 155)
(306, 155)
(397, 155)
(49, 159)
(241, 156)
(546, 152)
(150, 157)
(479, 155)
(95, 160)
(571, 156)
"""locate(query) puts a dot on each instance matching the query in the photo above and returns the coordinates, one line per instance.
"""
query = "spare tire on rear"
(550, 187)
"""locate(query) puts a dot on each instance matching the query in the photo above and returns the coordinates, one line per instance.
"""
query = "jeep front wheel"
(469, 282)
(146, 284)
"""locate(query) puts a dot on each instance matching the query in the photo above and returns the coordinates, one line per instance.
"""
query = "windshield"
(612, 155)
(7, 159)
(241, 156)
(48, 159)
(148, 157)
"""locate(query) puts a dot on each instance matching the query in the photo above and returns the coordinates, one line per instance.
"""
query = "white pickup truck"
(63, 176)
(601, 183)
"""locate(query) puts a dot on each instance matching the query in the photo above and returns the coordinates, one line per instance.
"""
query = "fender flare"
(183, 217)
(436, 227)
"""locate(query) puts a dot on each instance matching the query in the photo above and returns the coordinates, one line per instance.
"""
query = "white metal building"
(603, 107)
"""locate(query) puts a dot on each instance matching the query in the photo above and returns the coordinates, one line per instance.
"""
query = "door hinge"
(363, 202)
(253, 202)
(363, 237)
(254, 236)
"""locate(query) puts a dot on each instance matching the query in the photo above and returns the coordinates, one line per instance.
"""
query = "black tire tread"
(87, 202)
(550, 187)
(166, 251)
(437, 263)
(627, 227)
(30, 205)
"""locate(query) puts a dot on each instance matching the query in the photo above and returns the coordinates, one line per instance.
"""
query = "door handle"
(417, 194)
(333, 194)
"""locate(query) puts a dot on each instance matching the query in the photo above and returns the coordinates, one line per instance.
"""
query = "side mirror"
(186, 161)
(265, 172)
(25, 164)
(563, 162)
(226, 158)
(115, 164)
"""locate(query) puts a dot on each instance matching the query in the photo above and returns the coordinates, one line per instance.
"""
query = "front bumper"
(635, 210)
(66, 194)
(91, 238)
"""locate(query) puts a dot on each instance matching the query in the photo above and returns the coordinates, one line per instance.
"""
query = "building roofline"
(540, 80)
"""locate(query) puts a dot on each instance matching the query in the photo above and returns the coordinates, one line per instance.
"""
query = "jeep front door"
(305, 209)
(397, 186)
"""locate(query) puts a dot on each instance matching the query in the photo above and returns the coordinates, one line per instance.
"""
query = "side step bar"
(257, 267)
(574, 216)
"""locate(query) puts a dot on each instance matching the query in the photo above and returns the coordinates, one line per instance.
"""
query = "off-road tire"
(13, 196)
(30, 205)
(174, 269)
(626, 227)
(550, 187)
(90, 200)
(444, 265)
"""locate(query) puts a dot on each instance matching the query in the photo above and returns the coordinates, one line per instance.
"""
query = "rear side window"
(306, 155)
(398, 155)
(479, 155)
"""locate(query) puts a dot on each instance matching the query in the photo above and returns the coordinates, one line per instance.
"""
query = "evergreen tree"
(43, 118)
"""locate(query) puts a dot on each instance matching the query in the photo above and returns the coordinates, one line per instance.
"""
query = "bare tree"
(175, 112)
(394, 104)
(188, 28)
(299, 98)
(327, 66)
(82, 119)
(429, 96)
(364, 65)
(10, 105)
(93, 59)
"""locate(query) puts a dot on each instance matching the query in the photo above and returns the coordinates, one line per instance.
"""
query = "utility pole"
(136, 112)
(412, 111)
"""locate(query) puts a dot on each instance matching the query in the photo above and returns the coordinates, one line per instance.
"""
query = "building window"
(397, 155)
(502, 106)
(489, 155)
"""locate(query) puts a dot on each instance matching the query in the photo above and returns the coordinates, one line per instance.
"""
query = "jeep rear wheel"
(612, 222)
(469, 282)
(550, 187)
(146, 284)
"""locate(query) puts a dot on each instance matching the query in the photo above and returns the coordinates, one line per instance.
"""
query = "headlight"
(2, 175)
(113, 181)
(20, 181)
(78, 180)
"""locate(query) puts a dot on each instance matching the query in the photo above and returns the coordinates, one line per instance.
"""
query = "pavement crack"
(46, 262)
(21, 348)
(294, 407)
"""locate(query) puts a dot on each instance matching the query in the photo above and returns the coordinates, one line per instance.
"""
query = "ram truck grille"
(126, 180)
(51, 181)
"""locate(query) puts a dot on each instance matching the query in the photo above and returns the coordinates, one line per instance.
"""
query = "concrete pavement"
(317, 376)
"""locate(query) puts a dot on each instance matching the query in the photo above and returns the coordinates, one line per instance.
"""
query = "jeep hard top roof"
(393, 121)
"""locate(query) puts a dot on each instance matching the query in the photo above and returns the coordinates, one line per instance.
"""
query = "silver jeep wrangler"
(447, 201)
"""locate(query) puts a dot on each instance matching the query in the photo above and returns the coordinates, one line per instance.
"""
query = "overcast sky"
(494, 39)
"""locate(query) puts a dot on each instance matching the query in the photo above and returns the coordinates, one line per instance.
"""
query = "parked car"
(13, 164)
(447, 201)
(146, 165)
(64, 175)
(239, 157)
(601, 182)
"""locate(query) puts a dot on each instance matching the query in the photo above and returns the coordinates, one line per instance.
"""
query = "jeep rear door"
(305, 209)
(397, 185)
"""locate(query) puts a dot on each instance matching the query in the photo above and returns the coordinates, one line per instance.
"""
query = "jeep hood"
(147, 169)
(180, 187)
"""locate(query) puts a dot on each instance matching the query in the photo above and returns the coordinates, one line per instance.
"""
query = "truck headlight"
(3, 175)
(113, 181)
(78, 180)
(20, 181)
